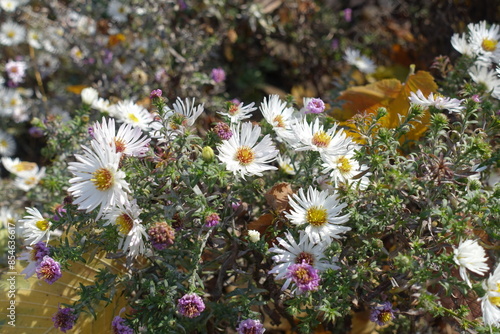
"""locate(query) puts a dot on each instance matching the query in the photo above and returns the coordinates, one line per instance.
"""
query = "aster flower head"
(314, 137)
(279, 116)
(344, 169)
(7, 144)
(18, 167)
(437, 101)
(484, 41)
(34, 255)
(11, 5)
(16, 70)
(382, 314)
(35, 226)
(488, 78)
(223, 131)
(129, 112)
(320, 212)
(218, 75)
(64, 319)
(28, 180)
(119, 327)
(286, 165)
(118, 11)
(184, 113)
(12, 33)
(470, 255)
(490, 302)
(190, 305)
(161, 235)
(461, 43)
(250, 326)
(237, 112)
(244, 155)
(313, 106)
(363, 63)
(49, 270)
(89, 95)
(129, 225)
(304, 276)
(98, 181)
(289, 252)
(127, 140)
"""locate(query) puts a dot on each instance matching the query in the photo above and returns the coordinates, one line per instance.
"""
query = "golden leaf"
(37, 301)
(115, 39)
(76, 89)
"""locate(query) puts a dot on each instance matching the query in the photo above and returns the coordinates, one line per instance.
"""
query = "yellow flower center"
(489, 45)
(30, 181)
(344, 165)
(245, 155)
(302, 275)
(13, 102)
(316, 215)
(321, 139)
(11, 34)
(495, 301)
(385, 317)
(103, 179)
(42, 225)
(278, 120)
(3, 143)
(24, 166)
(133, 118)
(125, 223)
(305, 257)
(33, 254)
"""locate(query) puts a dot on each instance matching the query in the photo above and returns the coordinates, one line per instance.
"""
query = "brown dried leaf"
(277, 196)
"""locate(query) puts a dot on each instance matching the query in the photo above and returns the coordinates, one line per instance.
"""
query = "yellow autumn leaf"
(76, 89)
(36, 301)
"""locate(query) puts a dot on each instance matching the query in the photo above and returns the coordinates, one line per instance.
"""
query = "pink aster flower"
(49, 270)
(190, 305)
(304, 276)
(64, 319)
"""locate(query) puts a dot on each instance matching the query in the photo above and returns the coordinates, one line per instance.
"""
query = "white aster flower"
(11, 5)
(103, 106)
(16, 70)
(286, 165)
(28, 180)
(34, 39)
(11, 102)
(128, 140)
(97, 181)
(482, 75)
(314, 137)
(484, 42)
(242, 154)
(490, 302)
(118, 11)
(11, 33)
(363, 63)
(183, 114)
(253, 235)
(129, 225)
(437, 101)
(18, 167)
(7, 217)
(461, 44)
(343, 168)
(319, 211)
(129, 112)
(7, 144)
(34, 255)
(238, 112)
(279, 116)
(89, 95)
(470, 255)
(35, 227)
(288, 252)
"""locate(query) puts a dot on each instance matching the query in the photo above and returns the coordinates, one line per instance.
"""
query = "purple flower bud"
(223, 131)
(348, 14)
(155, 93)
(161, 235)
(315, 106)
(35, 132)
(218, 75)
(212, 220)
